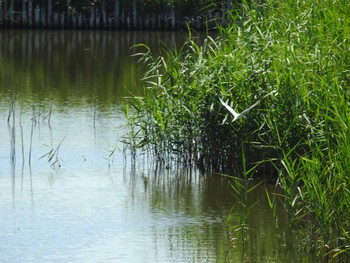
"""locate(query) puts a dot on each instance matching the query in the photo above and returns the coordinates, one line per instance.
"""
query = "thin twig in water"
(52, 155)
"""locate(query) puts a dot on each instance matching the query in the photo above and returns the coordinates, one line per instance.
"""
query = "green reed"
(242, 187)
(297, 53)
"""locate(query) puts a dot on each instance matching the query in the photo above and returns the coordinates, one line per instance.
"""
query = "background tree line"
(113, 14)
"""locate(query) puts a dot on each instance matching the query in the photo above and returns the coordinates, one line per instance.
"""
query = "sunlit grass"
(299, 52)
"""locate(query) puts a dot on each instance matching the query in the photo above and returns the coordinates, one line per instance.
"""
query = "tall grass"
(299, 53)
(242, 187)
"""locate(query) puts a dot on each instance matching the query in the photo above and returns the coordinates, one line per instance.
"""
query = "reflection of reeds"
(242, 186)
(11, 112)
(95, 105)
(48, 116)
(12, 135)
(31, 136)
(22, 136)
(22, 144)
(12, 131)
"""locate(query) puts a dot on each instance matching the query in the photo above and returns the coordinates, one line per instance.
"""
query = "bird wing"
(248, 109)
(236, 115)
(233, 112)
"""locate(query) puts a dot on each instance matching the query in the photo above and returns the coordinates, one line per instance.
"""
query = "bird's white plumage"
(236, 115)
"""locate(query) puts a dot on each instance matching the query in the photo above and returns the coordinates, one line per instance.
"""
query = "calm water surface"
(69, 192)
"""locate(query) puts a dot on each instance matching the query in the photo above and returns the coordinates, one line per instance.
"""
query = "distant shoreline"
(27, 14)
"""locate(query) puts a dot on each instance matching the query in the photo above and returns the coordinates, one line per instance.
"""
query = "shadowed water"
(69, 192)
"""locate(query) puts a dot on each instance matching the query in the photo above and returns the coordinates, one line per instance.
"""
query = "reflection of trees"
(84, 64)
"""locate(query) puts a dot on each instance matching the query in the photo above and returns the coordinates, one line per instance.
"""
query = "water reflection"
(68, 192)
(85, 64)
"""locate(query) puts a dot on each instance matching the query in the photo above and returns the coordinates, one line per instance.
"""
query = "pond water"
(69, 192)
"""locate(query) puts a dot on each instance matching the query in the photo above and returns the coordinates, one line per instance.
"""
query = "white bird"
(236, 115)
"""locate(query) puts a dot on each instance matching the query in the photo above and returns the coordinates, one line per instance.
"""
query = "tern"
(236, 115)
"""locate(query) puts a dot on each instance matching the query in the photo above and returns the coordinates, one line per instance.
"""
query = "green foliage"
(297, 64)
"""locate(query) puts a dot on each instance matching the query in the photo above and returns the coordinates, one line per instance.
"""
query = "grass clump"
(294, 56)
